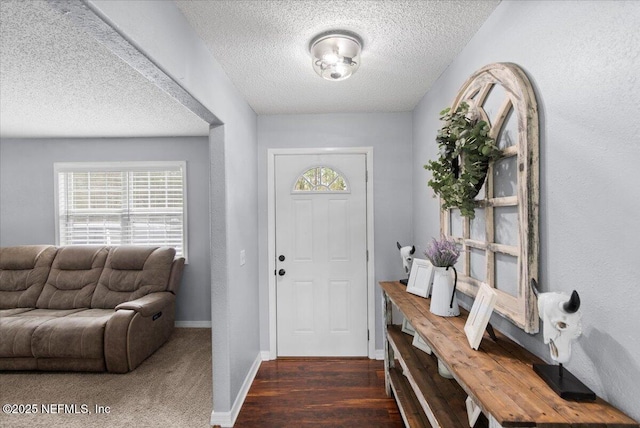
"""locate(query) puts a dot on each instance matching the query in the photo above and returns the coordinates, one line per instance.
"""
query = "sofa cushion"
(73, 278)
(16, 331)
(23, 272)
(131, 272)
(80, 335)
(14, 311)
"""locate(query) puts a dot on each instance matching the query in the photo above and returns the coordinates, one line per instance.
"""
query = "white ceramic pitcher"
(443, 299)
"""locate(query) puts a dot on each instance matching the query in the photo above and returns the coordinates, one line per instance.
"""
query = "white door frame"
(271, 234)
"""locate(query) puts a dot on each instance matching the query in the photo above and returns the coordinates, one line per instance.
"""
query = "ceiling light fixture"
(336, 54)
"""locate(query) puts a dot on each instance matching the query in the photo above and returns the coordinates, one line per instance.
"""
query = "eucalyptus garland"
(465, 152)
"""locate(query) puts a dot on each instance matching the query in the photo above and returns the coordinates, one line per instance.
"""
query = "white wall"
(390, 136)
(27, 198)
(582, 58)
(159, 30)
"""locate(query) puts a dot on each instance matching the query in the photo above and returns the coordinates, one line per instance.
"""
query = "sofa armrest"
(150, 304)
(137, 329)
(176, 275)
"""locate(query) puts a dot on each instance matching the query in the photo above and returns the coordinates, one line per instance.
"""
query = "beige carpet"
(172, 388)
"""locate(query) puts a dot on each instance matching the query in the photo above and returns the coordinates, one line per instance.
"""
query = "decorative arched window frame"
(320, 186)
(519, 307)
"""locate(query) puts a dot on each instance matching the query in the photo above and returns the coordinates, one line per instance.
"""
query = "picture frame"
(479, 315)
(473, 411)
(419, 343)
(407, 327)
(421, 278)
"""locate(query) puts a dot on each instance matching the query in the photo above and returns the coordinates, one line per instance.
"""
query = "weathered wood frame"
(521, 310)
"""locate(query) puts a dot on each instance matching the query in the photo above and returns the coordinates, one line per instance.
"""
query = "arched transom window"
(321, 179)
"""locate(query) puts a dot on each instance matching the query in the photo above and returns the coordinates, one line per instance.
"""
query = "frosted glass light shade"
(336, 56)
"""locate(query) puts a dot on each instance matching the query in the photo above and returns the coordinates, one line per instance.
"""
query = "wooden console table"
(498, 377)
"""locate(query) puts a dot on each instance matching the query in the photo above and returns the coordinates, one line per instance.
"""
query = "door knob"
(281, 257)
(281, 272)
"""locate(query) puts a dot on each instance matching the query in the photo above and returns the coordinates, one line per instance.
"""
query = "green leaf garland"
(465, 152)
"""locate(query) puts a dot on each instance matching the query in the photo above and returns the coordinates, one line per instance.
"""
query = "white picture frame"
(479, 315)
(473, 411)
(419, 343)
(421, 278)
(407, 327)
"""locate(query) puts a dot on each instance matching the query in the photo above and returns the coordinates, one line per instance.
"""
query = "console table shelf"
(410, 409)
(498, 377)
(443, 397)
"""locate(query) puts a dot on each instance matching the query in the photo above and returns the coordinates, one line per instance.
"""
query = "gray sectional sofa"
(85, 308)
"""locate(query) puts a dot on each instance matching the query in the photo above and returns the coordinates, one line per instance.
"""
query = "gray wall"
(582, 58)
(233, 169)
(27, 198)
(390, 136)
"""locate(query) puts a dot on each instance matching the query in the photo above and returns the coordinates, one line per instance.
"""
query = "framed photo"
(407, 327)
(480, 314)
(473, 411)
(420, 278)
(421, 344)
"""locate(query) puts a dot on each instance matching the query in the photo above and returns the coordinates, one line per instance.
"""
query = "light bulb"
(330, 58)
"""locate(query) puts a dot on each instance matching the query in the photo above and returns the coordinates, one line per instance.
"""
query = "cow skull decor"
(561, 321)
(407, 258)
(562, 324)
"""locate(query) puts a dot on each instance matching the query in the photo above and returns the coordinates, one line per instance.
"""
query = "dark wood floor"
(298, 392)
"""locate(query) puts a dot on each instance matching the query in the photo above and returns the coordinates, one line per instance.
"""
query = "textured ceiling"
(263, 47)
(57, 81)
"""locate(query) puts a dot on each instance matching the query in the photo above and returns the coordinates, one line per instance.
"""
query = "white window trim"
(59, 167)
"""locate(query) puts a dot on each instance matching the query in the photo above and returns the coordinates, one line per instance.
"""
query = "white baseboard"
(193, 324)
(378, 354)
(266, 356)
(227, 419)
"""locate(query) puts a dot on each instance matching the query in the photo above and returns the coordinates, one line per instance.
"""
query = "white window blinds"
(122, 203)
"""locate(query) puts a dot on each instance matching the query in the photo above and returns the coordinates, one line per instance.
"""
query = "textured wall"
(582, 58)
(390, 136)
(27, 198)
(161, 32)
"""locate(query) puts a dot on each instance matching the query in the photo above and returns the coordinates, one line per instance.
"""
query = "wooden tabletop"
(499, 376)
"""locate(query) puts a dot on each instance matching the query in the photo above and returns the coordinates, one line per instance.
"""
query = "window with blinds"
(141, 203)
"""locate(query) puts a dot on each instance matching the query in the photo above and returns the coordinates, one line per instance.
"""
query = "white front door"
(321, 255)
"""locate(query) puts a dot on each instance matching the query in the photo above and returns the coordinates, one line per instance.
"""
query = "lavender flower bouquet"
(443, 252)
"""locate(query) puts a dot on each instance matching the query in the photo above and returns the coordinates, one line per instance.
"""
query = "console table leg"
(388, 358)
